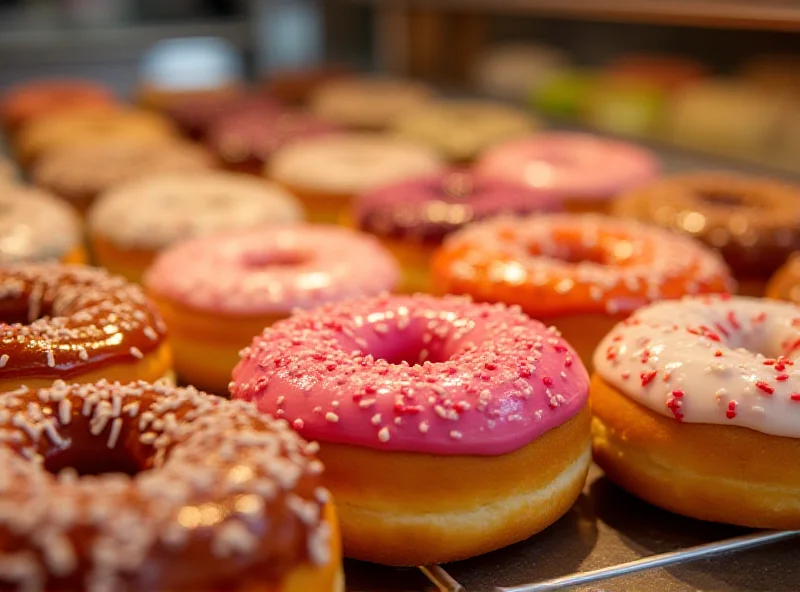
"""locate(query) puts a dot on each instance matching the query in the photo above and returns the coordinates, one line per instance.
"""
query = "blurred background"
(718, 76)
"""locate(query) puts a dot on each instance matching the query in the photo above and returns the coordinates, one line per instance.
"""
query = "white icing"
(35, 226)
(727, 388)
(350, 164)
(161, 209)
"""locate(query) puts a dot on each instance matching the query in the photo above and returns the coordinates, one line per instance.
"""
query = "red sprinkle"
(547, 381)
(733, 321)
(731, 413)
(560, 348)
(782, 377)
(795, 396)
(647, 377)
(718, 353)
(765, 387)
(674, 405)
(677, 394)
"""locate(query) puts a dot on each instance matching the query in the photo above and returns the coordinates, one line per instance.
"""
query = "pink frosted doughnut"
(217, 292)
(407, 391)
(581, 167)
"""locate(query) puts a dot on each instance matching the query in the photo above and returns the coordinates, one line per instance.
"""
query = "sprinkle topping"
(743, 372)
(442, 375)
(216, 477)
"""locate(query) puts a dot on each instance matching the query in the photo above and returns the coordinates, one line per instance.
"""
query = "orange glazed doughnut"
(581, 273)
(696, 409)
(110, 488)
(76, 323)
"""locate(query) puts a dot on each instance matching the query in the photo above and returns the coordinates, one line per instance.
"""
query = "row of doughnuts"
(405, 395)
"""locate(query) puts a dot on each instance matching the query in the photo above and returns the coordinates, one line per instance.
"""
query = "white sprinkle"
(150, 333)
(456, 435)
(383, 434)
(148, 438)
(65, 411)
(83, 355)
(424, 427)
(136, 353)
(376, 419)
(51, 361)
(331, 417)
(3, 360)
(116, 426)
(720, 394)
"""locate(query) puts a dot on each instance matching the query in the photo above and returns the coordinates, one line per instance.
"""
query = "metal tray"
(608, 528)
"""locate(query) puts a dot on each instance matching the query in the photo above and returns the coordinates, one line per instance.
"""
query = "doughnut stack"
(247, 332)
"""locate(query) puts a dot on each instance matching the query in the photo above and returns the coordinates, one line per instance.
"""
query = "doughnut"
(81, 127)
(368, 104)
(79, 174)
(79, 324)
(579, 272)
(753, 222)
(785, 282)
(447, 428)
(36, 226)
(109, 487)
(667, 73)
(696, 409)
(512, 71)
(326, 173)
(586, 170)
(28, 101)
(413, 217)
(217, 292)
(8, 172)
(296, 86)
(773, 74)
(245, 140)
(194, 116)
(161, 209)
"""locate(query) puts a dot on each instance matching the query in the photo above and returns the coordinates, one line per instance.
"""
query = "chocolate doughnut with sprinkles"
(447, 428)
(76, 323)
(121, 488)
(697, 409)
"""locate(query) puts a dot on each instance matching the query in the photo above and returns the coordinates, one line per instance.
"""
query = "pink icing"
(415, 373)
(272, 270)
(578, 165)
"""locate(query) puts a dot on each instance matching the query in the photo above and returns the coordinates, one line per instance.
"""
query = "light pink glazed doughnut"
(586, 170)
(217, 292)
(697, 408)
(433, 388)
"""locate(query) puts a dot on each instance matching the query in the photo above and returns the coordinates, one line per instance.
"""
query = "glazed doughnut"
(580, 272)
(245, 140)
(66, 130)
(696, 409)
(30, 101)
(110, 487)
(447, 428)
(327, 173)
(217, 292)
(413, 217)
(461, 130)
(368, 104)
(162, 209)
(79, 174)
(753, 222)
(586, 170)
(785, 283)
(8, 172)
(79, 324)
(36, 226)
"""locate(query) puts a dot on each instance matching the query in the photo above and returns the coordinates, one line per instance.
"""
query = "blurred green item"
(625, 107)
(564, 94)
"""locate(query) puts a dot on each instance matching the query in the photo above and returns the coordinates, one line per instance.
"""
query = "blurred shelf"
(777, 15)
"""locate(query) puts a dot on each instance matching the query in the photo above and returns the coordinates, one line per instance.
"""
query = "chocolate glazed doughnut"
(122, 488)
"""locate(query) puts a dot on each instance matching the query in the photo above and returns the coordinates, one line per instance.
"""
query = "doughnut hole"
(719, 473)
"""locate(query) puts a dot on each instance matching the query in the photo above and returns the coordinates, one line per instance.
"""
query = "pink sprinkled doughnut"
(217, 292)
(586, 170)
(697, 408)
(414, 393)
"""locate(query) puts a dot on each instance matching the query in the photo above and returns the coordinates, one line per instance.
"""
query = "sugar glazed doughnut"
(447, 428)
(160, 210)
(697, 409)
(110, 487)
(580, 272)
(217, 292)
(36, 226)
(753, 222)
(587, 171)
(413, 217)
(79, 324)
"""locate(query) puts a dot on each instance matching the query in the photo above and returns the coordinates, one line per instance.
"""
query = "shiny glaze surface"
(139, 487)
(64, 320)
(576, 165)
(713, 360)
(754, 222)
(34, 225)
(414, 373)
(272, 270)
(429, 208)
(571, 263)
